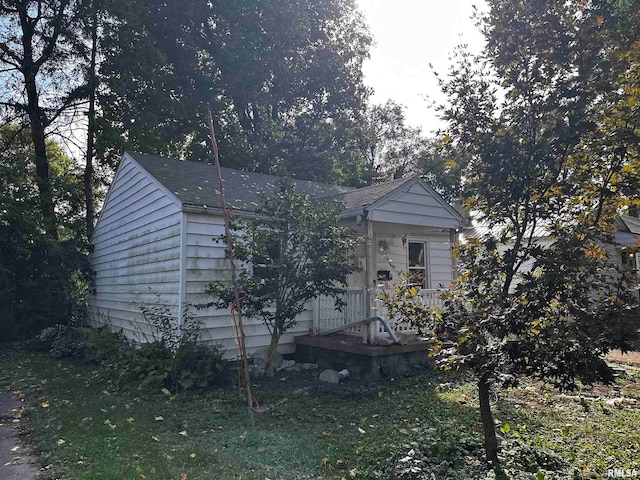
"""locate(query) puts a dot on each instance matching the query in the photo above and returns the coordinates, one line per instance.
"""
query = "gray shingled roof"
(363, 197)
(196, 183)
(626, 223)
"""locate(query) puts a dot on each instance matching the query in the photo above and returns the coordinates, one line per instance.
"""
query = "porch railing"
(327, 317)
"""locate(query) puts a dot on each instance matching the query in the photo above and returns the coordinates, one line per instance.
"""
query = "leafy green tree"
(277, 75)
(37, 56)
(538, 293)
(297, 251)
(19, 200)
(42, 279)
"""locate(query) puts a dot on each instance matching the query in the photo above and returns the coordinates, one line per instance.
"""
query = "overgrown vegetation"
(548, 150)
(88, 425)
(153, 366)
(295, 250)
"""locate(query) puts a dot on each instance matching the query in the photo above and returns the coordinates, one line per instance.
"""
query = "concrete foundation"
(338, 351)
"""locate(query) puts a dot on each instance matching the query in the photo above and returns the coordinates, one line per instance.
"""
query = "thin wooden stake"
(236, 286)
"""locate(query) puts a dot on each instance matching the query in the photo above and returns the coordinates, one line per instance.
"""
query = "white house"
(155, 243)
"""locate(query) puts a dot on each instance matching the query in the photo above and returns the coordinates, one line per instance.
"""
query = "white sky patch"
(410, 35)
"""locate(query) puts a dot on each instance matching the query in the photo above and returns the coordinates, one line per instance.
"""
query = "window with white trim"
(417, 263)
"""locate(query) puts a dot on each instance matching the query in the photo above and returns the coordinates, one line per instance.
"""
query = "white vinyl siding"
(205, 263)
(415, 206)
(136, 253)
(439, 260)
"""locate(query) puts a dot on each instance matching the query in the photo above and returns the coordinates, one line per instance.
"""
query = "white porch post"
(315, 328)
(370, 275)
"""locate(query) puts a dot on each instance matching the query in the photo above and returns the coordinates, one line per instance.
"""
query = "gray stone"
(287, 365)
(260, 359)
(404, 338)
(329, 376)
(344, 373)
(383, 340)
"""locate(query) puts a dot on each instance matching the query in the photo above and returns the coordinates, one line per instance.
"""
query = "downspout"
(453, 238)
(182, 288)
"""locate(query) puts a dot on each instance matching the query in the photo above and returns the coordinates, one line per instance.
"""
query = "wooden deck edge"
(335, 343)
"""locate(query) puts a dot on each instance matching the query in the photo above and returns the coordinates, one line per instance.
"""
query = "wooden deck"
(339, 351)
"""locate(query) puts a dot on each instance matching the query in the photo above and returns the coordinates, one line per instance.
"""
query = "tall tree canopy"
(545, 119)
(38, 43)
(279, 75)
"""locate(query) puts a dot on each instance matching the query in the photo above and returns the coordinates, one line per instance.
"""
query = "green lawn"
(88, 427)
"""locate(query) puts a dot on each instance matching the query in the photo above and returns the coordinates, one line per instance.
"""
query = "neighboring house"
(622, 252)
(627, 238)
(155, 243)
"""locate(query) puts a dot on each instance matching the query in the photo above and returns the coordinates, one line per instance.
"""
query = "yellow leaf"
(45, 405)
(153, 470)
(142, 475)
(130, 419)
(60, 441)
(325, 460)
(353, 472)
(380, 394)
(155, 438)
(193, 455)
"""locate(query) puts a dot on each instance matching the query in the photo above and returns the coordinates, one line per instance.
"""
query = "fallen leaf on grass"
(159, 418)
(45, 405)
(130, 419)
(183, 433)
(353, 472)
(193, 455)
(361, 430)
(380, 394)
(61, 441)
(183, 476)
(155, 438)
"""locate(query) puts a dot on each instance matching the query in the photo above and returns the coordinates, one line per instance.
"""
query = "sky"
(410, 35)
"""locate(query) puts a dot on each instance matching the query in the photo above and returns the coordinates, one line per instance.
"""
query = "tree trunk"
(488, 425)
(88, 169)
(271, 351)
(38, 124)
(43, 179)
